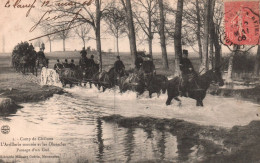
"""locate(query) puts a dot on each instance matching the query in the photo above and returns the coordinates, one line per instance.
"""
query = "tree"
(144, 14)
(162, 36)
(204, 65)
(131, 28)
(198, 29)
(177, 36)
(82, 31)
(115, 19)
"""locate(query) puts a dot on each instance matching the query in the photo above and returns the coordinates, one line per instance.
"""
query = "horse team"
(25, 58)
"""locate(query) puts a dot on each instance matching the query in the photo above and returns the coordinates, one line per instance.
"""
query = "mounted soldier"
(58, 66)
(119, 66)
(138, 62)
(42, 47)
(83, 59)
(91, 61)
(188, 74)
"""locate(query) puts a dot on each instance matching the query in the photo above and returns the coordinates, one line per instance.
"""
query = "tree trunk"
(162, 36)
(198, 30)
(98, 39)
(217, 48)
(204, 66)
(230, 64)
(212, 34)
(84, 42)
(131, 28)
(177, 37)
(150, 37)
(64, 49)
(150, 46)
(211, 51)
(117, 45)
(257, 61)
(49, 43)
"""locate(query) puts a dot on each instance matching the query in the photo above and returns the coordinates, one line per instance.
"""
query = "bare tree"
(162, 35)
(177, 36)
(50, 37)
(131, 28)
(82, 32)
(144, 13)
(63, 34)
(198, 29)
(204, 65)
(115, 19)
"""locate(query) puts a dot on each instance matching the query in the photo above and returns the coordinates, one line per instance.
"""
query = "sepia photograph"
(143, 81)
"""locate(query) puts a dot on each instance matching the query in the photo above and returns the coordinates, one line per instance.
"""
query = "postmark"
(242, 22)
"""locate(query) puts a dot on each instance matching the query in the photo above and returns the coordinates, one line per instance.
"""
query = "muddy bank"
(22, 88)
(213, 144)
(250, 94)
(8, 106)
(28, 95)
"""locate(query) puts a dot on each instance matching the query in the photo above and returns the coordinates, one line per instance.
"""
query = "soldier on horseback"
(83, 59)
(119, 66)
(138, 62)
(91, 61)
(188, 74)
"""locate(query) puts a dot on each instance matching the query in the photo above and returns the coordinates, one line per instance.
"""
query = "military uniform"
(139, 62)
(187, 73)
(119, 66)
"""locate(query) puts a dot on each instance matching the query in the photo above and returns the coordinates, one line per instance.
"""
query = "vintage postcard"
(129, 81)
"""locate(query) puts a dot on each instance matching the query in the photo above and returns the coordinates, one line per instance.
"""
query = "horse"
(198, 87)
(88, 73)
(101, 79)
(157, 84)
(133, 82)
(40, 62)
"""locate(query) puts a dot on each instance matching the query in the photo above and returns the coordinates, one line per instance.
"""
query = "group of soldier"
(59, 66)
(144, 64)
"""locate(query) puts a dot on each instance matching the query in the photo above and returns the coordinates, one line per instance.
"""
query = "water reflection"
(79, 124)
(129, 143)
(100, 140)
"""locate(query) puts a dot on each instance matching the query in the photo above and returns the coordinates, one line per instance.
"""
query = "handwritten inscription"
(50, 15)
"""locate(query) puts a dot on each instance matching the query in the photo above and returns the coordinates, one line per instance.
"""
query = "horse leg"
(158, 94)
(150, 94)
(177, 99)
(104, 89)
(199, 103)
(169, 99)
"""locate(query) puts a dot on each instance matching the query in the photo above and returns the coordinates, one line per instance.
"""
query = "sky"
(15, 28)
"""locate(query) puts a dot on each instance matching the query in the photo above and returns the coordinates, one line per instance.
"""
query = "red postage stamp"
(242, 22)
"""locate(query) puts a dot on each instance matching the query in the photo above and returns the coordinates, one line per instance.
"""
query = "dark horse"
(134, 82)
(88, 73)
(198, 88)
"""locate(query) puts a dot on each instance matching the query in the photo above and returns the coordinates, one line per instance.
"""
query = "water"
(73, 121)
